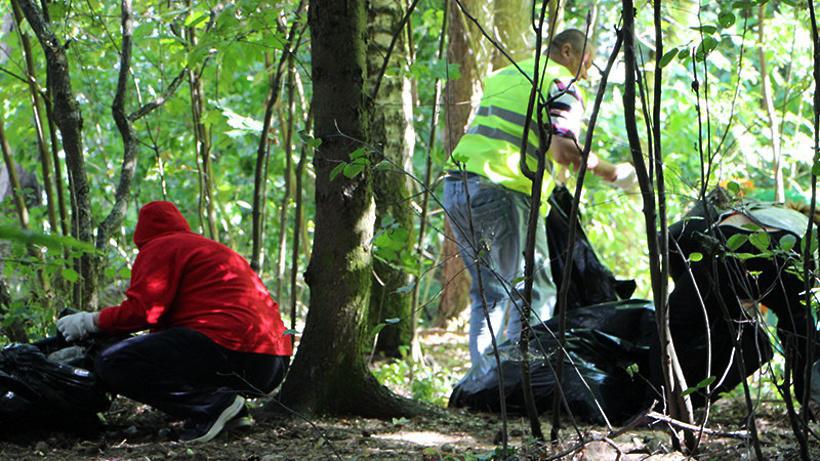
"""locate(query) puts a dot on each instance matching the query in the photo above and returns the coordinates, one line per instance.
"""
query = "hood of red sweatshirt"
(158, 218)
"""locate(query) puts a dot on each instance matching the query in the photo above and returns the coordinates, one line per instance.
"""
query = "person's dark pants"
(183, 373)
(769, 280)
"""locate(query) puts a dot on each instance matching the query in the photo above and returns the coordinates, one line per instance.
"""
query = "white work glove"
(625, 177)
(77, 326)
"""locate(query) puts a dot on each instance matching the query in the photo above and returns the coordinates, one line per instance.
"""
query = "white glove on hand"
(77, 326)
(625, 177)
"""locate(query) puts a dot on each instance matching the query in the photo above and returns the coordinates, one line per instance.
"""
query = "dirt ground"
(136, 432)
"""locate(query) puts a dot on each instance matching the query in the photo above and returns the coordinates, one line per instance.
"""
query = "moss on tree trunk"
(329, 373)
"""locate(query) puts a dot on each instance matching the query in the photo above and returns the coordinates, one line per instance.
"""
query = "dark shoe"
(204, 431)
(242, 420)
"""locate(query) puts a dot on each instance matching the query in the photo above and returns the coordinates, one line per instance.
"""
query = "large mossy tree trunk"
(329, 374)
(391, 132)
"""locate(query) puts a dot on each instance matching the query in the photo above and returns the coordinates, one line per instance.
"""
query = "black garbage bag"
(38, 392)
(590, 281)
(607, 357)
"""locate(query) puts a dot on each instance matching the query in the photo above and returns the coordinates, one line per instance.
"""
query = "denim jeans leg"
(491, 250)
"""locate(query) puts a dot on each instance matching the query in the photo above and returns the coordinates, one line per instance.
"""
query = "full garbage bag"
(604, 368)
(37, 391)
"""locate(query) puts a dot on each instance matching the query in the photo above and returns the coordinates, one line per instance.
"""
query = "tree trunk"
(329, 373)
(512, 31)
(768, 104)
(391, 131)
(461, 96)
(37, 112)
(69, 120)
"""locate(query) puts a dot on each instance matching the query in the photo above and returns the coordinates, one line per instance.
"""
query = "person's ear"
(567, 51)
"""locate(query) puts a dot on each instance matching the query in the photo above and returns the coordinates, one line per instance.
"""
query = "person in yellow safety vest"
(487, 197)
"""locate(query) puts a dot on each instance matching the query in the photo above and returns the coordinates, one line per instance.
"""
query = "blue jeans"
(494, 250)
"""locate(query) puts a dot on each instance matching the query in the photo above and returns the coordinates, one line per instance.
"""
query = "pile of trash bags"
(605, 365)
(47, 384)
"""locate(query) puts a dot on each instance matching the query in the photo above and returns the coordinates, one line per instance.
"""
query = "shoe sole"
(219, 424)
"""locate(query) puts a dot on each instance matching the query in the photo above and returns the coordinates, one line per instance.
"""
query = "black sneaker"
(204, 431)
(242, 420)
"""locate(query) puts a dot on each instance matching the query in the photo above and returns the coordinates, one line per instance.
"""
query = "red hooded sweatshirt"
(182, 279)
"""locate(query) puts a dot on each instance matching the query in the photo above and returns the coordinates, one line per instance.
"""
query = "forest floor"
(136, 432)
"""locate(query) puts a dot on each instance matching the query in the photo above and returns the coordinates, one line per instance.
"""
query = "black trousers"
(721, 280)
(183, 373)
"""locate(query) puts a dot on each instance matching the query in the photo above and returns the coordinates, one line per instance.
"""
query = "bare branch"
(149, 107)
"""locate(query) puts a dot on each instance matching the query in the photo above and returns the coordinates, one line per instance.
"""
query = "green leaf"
(706, 29)
(337, 170)
(358, 153)
(760, 240)
(668, 57)
(708, 45)
(46, 240)
(726, 19)
(701, 385)
(683, 54)
(736, 241)
(196, 18)
(815, 169)
(787, 242)
(290, 331)
(351, 170)
(392, 321)
(733, 187)
(695, 257)
(125, 273)
(71, 275)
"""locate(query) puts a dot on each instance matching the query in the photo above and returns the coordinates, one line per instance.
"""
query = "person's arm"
(566, 110)
(154, 282)
(565, 152)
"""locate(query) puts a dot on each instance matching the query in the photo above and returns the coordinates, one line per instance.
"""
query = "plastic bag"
(607, 352)
(35, 390)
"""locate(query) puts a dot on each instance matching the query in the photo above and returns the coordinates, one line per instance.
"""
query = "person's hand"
(625, 177)
(77, 326)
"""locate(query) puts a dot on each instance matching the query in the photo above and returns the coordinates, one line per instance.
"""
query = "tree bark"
(391, 131)
(69, 120)
(512, 30)
(461, 97)
(126, 129)
(329, 373)
(37, 111)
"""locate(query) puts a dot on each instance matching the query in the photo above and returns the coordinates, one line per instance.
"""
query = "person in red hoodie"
(215, 332)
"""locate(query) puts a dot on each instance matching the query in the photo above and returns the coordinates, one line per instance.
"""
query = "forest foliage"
(737, 108)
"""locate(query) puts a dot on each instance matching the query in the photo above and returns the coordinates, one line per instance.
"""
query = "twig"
(692, 427)
(149, 107)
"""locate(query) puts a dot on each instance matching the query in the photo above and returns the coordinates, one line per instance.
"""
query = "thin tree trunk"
(461, 96)
(329, 373)
(129, 143)
(39, 127)
(16, 188)
(768, 104)
(69, 120)
(428, 171)
(512, 29)
(671, 384)
(262, 152)
(392, 131)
